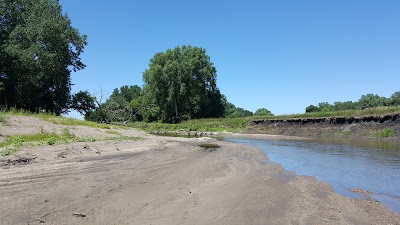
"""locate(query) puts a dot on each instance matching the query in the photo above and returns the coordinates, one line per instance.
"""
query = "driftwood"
(21, 160)
(79, 214)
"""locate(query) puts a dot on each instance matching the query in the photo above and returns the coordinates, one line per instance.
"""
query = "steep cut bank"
(368, 127)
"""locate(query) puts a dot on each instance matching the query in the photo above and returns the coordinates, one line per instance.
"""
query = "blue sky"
(282, 55)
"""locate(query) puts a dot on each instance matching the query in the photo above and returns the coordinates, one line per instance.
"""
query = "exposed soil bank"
(368, 127)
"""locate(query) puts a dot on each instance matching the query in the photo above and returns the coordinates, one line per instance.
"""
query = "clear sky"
(282, 55)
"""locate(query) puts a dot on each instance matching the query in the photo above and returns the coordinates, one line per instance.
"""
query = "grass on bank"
(385, 133)
(239, 124)
(3, 119)
(56, 119)
(200, 125)
(377, 111)
(13, 143)
(220, 124)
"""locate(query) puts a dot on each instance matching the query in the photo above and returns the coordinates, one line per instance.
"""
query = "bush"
(385, 133)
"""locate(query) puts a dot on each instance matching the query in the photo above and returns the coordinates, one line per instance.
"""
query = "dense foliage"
(263, 112)
(124, 105)
(38, 50)
(365, 102)
(181, 84)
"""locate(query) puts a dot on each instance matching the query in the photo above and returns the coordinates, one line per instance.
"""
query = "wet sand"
(165, 180)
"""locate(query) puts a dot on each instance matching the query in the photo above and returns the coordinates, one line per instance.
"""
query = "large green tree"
(395, 99)
(38, 51)
(371, 100)
(263, 112)
(181, 84)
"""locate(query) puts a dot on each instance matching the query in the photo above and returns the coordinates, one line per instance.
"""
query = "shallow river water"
(345, 164)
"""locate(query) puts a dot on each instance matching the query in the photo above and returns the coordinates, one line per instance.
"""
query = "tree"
(395, 99)
(240, 112)
(119, 105)
(371, 100)
(124, 105)
(325, 106)
(83, 102)
(181, 83)
(348, 105)
(312, 108)
(39, 50)
(263, 112)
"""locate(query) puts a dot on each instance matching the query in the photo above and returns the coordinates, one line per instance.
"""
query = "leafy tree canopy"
(124, 105)
(263, 112)
(395, 99)
(181, 84)
(83, 102)
(366, 101)
(38, 50)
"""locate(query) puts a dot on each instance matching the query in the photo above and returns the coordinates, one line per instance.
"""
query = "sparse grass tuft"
(3, 119)
(13, 143)
(6, 152)
(75, 122)
(113, 132)
(385, 133)
(57, 119)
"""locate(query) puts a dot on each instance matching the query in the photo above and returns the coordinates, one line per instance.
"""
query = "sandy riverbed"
(165, 180)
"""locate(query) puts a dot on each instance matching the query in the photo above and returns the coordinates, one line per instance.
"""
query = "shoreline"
(170, 180)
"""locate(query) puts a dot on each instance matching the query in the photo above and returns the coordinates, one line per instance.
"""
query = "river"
(344, 164)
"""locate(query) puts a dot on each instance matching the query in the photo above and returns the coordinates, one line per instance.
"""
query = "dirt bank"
(165, 180)
(366, 127)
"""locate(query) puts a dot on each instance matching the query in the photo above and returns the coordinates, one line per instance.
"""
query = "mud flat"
(173, 181)
(168, 180)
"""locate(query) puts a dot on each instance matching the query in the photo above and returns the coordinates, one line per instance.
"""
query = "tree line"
(126, 104)
(180, 84)
(366, 101)
(39, 49)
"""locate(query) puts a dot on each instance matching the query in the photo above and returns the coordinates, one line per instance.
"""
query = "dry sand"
(165, 180)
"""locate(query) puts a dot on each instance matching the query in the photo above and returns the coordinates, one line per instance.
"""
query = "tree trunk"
(176, 109)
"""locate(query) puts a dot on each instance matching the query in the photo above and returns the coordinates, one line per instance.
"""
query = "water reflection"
(345, 164)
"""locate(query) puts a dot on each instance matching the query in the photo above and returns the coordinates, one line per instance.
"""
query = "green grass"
(356, 112)
(240, 124)
(58, 119)
(13, 143)
(200, 125)
(113, 132)
(385, 133)
(3, 119)
(75, 122)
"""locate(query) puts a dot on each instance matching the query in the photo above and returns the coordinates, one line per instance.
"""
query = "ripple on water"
(345, 164)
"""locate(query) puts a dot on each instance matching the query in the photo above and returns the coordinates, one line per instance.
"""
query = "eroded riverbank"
(385, 127)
